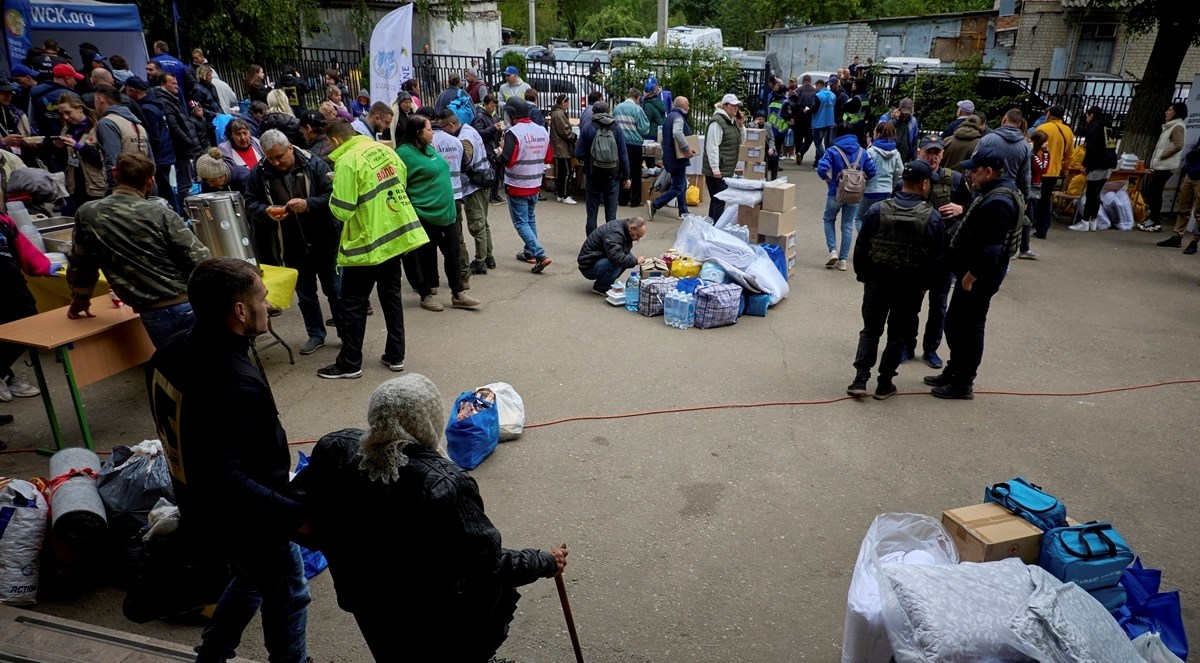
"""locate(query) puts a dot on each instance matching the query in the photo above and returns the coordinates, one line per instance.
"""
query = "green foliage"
(700, 75)
(619, 18)
(515, 15)
(364, 72)
(217, 25)
(361, 21)
(1144, 16)
(515, 59)
(935, 94)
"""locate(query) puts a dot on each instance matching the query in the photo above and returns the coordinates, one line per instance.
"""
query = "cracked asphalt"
(731, 535)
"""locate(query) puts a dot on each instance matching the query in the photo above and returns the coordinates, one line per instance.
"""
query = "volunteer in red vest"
(526, 151)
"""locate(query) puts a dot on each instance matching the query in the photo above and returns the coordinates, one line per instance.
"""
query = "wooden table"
(90, 350)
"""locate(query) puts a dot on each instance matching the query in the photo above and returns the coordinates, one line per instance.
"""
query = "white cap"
(730, 99)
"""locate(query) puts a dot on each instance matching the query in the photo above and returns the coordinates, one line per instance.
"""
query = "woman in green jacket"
(432, 196)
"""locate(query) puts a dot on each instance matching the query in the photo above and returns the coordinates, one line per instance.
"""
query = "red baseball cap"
(65, 70)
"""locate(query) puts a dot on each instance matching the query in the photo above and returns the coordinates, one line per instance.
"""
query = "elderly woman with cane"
(443, 577)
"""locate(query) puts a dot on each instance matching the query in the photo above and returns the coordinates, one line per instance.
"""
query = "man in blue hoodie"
(824, 120)
(844, 153)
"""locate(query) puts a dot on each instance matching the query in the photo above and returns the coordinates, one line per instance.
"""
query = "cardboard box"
(989, 533)
(779, 197)
(791, 265)
(755, 153)
(755, 171)
(693, 142)
(646, 183)
(786, 241)
(756, 137)
(748, 216)
(651, 150)
(777, 223)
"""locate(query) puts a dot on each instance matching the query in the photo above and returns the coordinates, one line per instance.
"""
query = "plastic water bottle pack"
(633, 291)
(679, 309)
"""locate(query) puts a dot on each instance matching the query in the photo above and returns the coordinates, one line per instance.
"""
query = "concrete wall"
(480, 30)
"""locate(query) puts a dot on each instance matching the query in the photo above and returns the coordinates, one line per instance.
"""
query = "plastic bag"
(23, 514)
(133, 480)
(693, 194)
(510, 410)
(739, 196)
(472, 439)
(1149, 610)
(314, 560)
(1152, 650)
(164, 519)
(897, 538)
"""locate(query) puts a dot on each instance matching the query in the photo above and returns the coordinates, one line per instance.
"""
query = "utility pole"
(532, 24)
(662, 23)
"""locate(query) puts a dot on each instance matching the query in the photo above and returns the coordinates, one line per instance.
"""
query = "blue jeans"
(865, 205)
(520, 210)
(823, 139)
(678, 190)
(270, 575)
(832, 206)
(163, 323)
(601, 189)
(604, 273)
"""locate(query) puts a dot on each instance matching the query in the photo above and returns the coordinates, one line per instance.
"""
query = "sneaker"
(541, 265)
(905, 355)
(1146, 226)
(841, 265)
(1156, 228)
(1082, 226)
(463, 301)
(858, 389)
(496, 200)
(1190, 250)
(477, 267)
(5, 394)
(466, 281)
(939, 380)
(953, 392)
(489, 262)
(650, 210)
(430, 304)
(393, 366)
(1172, 242)
(333, 372)
(884, 391)
(568, 201)
(1027, 255)
(5, 419)
(933, 360)
(525, 257)
(312, 345)
(833, 258)
(274, 312)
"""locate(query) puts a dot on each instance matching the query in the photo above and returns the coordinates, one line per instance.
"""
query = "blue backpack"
(1092, 556)
(463, 108)
(1029, 501)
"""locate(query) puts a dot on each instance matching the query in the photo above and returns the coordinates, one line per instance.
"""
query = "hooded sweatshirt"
(888, 167)
(583, 146)
(517, 90)
(961, 144)
(1017, 152)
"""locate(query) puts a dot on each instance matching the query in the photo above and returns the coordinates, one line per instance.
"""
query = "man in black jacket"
(980, 249)
(608, 251)
(228, 457)
(184, 141)
(897, 258)
(159, 133)
(287, 197)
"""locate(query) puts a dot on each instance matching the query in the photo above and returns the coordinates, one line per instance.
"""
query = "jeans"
(823, 140)
(935, 322)
(475, 209)
(163, 323)
(1154, 194)
(678, 191)
(445, 239)
(832, 207)
(1045, 206)
(633, 195)
(604, 273)
(864, 206)
(1027, 223)
(965, 322)
(313, 267)
(897, 304)
(183, 178)
(521, 211)
(562, 177)
(270, 575)
(357, 283)
(601, 189)
(716, 207)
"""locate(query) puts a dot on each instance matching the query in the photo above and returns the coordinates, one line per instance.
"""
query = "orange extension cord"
(738, 406)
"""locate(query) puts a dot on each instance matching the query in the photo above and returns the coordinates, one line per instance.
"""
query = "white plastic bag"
(23, 513)
(163, 519)
(511, 409)
(898, 538)
(1152, 649)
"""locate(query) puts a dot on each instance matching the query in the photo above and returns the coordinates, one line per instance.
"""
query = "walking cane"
(566, 606)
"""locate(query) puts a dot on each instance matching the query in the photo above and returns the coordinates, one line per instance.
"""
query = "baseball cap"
(96, 57)
(137, 83)
(64, 71)
(730, 99)
(984, 157)
(22, 70)
(791, 79)
(8, 86)
(932, 142)
(312, 119)
(510, 70)
(906, 105)
(917, 171)
(966, 106)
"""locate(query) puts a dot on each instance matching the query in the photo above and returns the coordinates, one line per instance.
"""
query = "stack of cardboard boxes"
(776, 223)
(752, 158)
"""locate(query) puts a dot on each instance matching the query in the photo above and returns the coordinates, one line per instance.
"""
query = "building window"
(1006, 38)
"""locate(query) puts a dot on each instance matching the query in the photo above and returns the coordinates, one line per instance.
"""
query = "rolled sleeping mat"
(76, 510)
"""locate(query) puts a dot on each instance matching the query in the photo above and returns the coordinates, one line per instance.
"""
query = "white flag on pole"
(391, 54)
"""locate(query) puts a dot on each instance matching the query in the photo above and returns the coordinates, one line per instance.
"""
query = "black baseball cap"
(932, 142)
(312, 119)
(916, 171)
(137, 83)
(984, 157)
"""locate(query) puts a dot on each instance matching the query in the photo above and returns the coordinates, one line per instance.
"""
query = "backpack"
(852, 181)
(463, 108)
(483, 177)
(1029, 501)
(604, 150)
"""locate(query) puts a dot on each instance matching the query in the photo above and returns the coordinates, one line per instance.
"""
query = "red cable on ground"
(737, 406)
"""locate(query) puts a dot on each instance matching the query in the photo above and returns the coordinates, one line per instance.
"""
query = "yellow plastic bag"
(1139, 205)
(1076, 186)
(693, 196)
(684, 267)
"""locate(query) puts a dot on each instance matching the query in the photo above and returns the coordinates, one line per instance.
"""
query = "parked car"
(690, 36)
(757, 60)
(551, 82)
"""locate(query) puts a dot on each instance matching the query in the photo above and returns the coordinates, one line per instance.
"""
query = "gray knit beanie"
(211, 166)
(405, 410)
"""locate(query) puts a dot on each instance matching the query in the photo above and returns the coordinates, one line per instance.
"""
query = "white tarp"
(391, 54)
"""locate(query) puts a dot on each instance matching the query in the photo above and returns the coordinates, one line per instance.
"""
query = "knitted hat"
(211, 166)
(404, 410)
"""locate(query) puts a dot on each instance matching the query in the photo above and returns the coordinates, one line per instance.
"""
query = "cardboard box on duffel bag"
(989, 533)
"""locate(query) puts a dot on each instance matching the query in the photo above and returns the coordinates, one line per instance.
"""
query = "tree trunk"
(1156, 90)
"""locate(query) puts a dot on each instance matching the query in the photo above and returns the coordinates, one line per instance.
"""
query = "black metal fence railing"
(1077, 95)
(311, 63)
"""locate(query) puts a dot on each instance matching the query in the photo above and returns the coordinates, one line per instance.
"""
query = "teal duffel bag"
(1091, 556)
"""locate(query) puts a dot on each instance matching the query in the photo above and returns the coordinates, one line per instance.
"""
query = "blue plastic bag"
(777, 257)
(1149, 610)
(473, 439)
(314, 560)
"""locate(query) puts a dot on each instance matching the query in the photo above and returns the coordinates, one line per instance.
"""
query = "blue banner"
(79, 16)
(16, 23)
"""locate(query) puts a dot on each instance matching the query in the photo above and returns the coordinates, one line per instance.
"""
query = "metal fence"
(1077, 95)
(311, 63)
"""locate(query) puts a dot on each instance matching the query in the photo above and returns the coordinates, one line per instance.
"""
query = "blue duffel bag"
(1092, 556)
(470, 440)
(1029, 501)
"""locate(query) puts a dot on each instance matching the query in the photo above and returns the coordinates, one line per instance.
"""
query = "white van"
(691, 36)
(906, 65)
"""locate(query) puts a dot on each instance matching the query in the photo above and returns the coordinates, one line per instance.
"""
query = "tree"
(215, 26)
(619, 18)
(1178, 26)
(515, 14)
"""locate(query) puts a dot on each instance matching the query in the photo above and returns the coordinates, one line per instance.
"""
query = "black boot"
(940, 380)
(1172, 242)
(953, 392)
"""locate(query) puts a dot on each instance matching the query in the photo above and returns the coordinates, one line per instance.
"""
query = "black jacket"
(611, 241)
(183, 136)
(1099, 156)
(450, 558)
(805, 96)
(205, 94)
(978, 244)
(289, 125)
(486, 126)
(158, 131)
(866, 270)
(313, 231)
(219, 425)
(203, 130)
